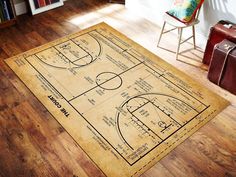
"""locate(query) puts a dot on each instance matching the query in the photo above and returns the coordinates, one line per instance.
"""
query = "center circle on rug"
(108, 80)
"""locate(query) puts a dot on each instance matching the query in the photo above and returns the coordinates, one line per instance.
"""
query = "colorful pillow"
(185, 10)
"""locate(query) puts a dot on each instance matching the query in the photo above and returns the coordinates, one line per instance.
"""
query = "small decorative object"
(38, 6)
(185, 10)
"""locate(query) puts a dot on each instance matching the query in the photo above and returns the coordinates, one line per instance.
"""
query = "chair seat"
(176, 23)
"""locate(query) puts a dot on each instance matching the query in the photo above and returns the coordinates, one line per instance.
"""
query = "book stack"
(42, 3)
(6, 11)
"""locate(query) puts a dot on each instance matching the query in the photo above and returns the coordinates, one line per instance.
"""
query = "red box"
(222, 69)
(222, 30)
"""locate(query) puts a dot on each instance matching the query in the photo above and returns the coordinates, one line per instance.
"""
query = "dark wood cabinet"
(7, 13)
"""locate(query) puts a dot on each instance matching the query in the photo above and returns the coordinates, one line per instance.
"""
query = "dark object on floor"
(222, 30)
(117, 1)
(222, 67)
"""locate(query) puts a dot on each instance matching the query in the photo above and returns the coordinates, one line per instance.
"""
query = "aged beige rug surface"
(123, 105)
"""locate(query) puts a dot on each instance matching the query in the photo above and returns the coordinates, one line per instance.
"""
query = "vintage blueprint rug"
(123, 105)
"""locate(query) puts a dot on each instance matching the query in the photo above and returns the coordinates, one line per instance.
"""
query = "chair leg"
(194, 39)
(162, 30)
(180, 37)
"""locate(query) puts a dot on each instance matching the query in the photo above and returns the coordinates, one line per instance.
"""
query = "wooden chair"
(180, 26)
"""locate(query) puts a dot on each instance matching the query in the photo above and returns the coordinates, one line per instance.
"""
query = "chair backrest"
(198, 12)
(186, 13)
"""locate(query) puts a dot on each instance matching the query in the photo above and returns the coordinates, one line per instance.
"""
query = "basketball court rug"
(124, 106)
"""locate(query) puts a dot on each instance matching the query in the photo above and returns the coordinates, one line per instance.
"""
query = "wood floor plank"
(27, 159)
(35, 39)
(43, 137)
(225, 133)
(50, 22)
(11, 48)
(216, 153)
(19, 39)
(195, 156)
(81, 158)
(158, 170)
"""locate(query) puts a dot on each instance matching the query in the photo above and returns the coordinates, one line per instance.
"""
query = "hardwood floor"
(32, 143)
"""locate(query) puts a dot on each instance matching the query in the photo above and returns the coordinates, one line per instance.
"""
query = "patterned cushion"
(185, 10)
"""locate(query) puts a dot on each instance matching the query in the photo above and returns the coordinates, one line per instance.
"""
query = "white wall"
(215, 10)
(211, 13)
